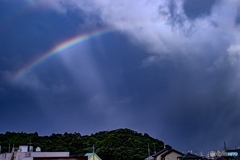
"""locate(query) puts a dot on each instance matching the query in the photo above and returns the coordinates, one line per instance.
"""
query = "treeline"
(120, 144)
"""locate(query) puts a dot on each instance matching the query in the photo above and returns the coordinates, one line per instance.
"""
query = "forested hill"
(120, 144)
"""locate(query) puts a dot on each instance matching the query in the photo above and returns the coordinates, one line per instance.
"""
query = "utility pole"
(154, 147)
(148, 150)
(30, 148)
(93, 152)
(225, 148)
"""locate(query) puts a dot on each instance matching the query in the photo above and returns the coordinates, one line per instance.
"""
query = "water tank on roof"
(38, 149)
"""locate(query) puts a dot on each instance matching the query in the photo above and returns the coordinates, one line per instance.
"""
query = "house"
(168, 154)
(190, 156)
(92, 156)
(159, 153)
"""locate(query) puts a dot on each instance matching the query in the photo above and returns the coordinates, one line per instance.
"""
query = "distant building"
(168, 154)
(190, 156)
(159, 153)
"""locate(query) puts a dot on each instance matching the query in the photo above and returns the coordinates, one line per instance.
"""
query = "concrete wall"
(21, 155)
(5, 156)
(27, 158)
(25, 155)
(49, 154)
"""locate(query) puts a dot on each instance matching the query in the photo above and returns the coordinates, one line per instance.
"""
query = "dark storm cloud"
(26, 33)
(19, 108)
(199, 105)
(196, 77)
(198, 8)
(175, 19)
(237, 20)
(24, 29)
(175, 95)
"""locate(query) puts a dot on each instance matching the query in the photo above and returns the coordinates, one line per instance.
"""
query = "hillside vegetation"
(120, 144)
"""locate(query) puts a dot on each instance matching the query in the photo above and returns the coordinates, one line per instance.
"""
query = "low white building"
(24, 154)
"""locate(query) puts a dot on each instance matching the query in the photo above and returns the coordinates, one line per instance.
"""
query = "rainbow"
(57, 50)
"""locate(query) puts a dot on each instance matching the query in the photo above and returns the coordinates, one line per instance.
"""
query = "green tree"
(117, 144)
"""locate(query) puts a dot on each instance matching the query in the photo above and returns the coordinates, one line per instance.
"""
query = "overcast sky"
(169, 68)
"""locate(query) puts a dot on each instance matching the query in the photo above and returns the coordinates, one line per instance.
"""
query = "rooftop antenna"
(93, 152)
(225, 148)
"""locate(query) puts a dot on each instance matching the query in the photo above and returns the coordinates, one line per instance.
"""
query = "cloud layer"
(171, 68)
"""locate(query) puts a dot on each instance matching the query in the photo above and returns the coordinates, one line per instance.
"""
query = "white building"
(24, 154)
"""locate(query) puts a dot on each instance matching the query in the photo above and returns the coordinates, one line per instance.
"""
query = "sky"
(169, 68)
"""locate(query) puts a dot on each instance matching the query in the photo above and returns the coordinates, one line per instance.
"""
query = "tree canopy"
(119, 144)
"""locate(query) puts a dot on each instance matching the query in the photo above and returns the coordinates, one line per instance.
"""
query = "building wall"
(94, 157)
(27, 158)
(5, 156)
(22, 155)
(172, 156)
(23, 148)
(49, 154)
